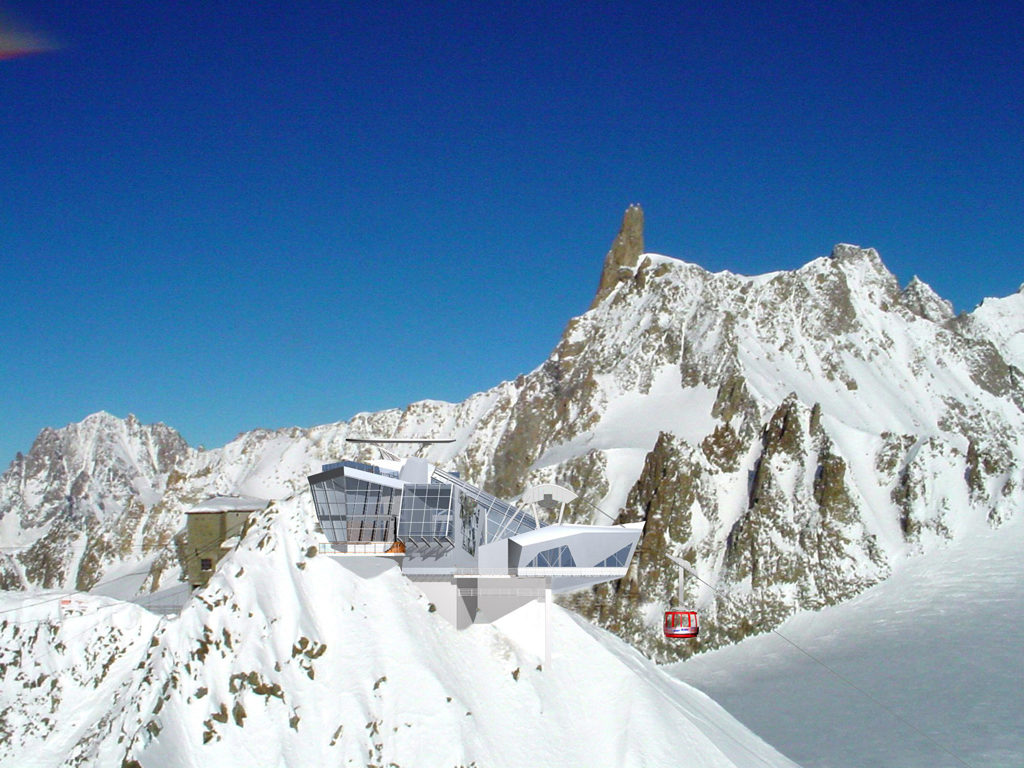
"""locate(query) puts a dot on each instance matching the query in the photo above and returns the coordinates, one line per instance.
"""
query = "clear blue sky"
(228, 215)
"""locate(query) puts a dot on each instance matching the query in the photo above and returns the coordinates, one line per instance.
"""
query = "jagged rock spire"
(626, 249)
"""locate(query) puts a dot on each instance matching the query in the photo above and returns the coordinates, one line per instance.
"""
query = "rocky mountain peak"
(1001, 321)
(851, 252)
(106, 418)
(621, 260)
(921, 300)
(85, 485)
(866, 274)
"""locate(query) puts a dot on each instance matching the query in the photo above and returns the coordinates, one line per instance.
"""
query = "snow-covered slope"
(287, 659)
(935, 649)
(1002, 321)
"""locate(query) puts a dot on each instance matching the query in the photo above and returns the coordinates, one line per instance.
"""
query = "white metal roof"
(229, 504)
(553, 532)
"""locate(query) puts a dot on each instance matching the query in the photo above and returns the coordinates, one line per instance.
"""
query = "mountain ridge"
(825, 414)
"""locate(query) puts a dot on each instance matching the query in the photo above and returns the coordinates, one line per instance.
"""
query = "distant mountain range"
(792, 435)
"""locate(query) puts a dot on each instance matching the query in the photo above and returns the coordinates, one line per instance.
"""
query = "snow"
(1002, 320)
(629, 428)
(630, 425)
(78, 666)
(860, 448)
(657, 259)
(636, 419)
(13, 536)
(623, 468)
(290, 660)
(935, 645)
(125, 579)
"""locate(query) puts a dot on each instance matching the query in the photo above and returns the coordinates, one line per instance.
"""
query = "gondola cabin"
(681, 624)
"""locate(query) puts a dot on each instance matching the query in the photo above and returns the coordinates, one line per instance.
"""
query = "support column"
(547, 623)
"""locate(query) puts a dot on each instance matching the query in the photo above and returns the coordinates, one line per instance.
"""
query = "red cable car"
(681, 624)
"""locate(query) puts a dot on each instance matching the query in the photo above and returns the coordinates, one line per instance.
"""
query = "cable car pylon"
(681, 624)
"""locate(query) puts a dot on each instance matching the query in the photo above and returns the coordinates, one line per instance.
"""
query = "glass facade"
(353, 509)
(354, 465)
(426, 512)
(358, 502)
(469, 519)
(618, 560)
(497, 519)
(556, 557)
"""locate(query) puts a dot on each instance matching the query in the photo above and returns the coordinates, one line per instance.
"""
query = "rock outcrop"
(621, 260)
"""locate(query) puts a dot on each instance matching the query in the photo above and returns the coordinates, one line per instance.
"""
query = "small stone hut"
(212, 528)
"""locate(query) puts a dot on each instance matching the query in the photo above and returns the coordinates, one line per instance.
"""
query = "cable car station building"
(476, 558)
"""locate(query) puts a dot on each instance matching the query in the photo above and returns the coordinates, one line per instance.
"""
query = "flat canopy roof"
(229, 504)
(560, 530)
(399, 440)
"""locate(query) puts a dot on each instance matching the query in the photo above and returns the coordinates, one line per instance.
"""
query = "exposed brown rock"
(621, 260)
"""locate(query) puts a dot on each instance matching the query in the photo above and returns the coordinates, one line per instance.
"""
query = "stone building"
(212, 529)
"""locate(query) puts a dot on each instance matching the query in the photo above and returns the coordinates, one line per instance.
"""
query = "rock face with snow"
(288, 659)
(833, 424)
(625, 251)
(792, 435)
(1001, 321)
(86, 487)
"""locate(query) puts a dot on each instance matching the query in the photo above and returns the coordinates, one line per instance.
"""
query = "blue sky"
(227, 215)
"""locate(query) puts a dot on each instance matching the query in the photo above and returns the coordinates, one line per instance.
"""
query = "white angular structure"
(477, 558)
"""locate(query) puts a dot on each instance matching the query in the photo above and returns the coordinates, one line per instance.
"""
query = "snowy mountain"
(288, 659)
(795, 436)
(84, 497)
(810, 430)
